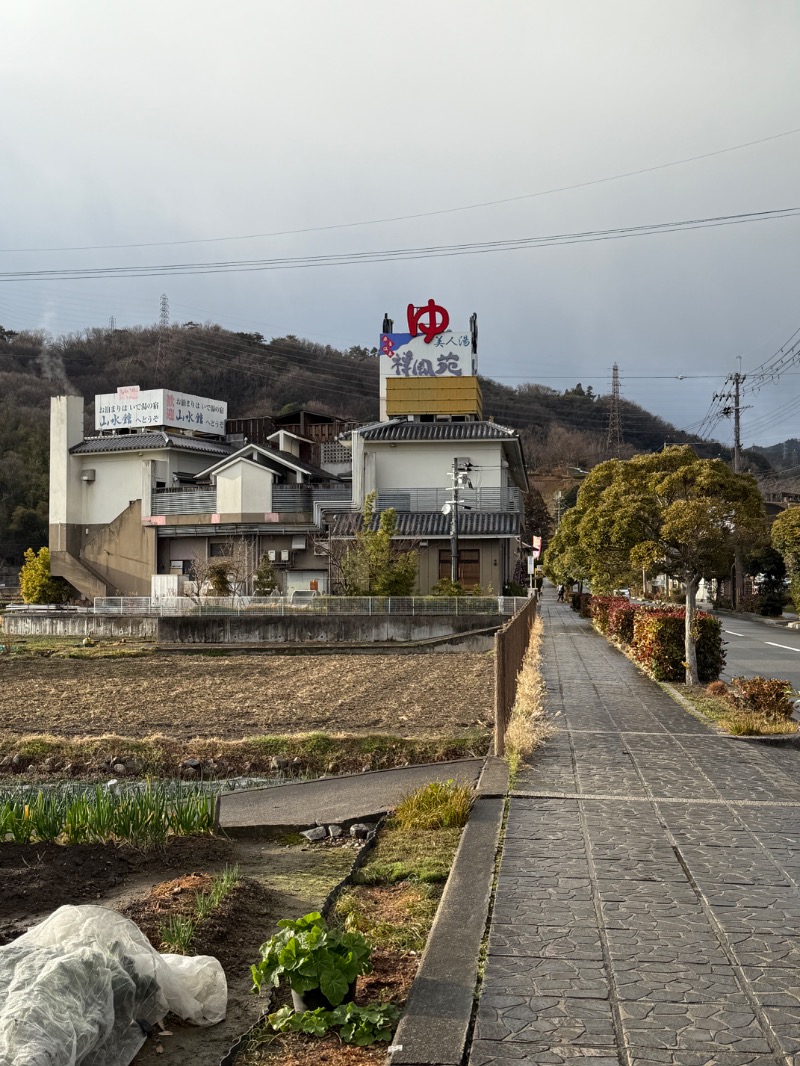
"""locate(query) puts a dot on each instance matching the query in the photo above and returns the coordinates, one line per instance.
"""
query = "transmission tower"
(163, 333)
(614, 436)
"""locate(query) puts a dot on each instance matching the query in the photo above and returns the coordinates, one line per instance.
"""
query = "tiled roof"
(140, 442)
(435, 524)
(399, 430)
(278, 457)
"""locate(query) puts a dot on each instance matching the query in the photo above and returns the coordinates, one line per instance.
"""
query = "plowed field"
(186, 696)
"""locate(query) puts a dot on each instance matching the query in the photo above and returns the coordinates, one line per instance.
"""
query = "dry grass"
(529, 726)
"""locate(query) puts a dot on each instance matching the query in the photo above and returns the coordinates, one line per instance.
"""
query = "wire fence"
(276, 606)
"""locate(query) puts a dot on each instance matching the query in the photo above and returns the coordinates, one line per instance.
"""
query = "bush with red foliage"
(658, 643)
(620, 620)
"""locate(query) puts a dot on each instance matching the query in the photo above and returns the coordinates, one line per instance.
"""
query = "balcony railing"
(285, 499)
(301, 498)
(480, 499)
(184, 500)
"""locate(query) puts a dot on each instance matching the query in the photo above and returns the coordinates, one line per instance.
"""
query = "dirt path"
(236, 696)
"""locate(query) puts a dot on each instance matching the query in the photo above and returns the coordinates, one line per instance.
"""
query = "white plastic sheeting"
(74, 989)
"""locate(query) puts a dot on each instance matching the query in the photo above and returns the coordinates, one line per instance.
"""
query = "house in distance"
(167, 481)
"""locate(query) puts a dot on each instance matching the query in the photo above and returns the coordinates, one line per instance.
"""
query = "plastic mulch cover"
(84, 987)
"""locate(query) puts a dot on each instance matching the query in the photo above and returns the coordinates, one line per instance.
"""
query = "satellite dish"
(447, 508)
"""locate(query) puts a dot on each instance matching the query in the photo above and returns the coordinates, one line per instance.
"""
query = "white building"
(161, 488)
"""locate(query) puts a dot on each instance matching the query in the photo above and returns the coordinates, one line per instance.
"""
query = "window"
(218, 551)
(469, 565)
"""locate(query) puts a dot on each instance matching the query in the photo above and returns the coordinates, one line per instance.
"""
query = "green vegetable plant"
(361, 1026)
(307, 955)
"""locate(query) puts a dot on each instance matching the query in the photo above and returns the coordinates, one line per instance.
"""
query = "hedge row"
(655, 637)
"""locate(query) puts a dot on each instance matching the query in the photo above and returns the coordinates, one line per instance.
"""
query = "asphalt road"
(754, 648)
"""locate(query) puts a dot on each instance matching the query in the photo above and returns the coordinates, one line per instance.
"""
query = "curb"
(493, 782)
(777, 740)
(435, 1025)
(779, 622)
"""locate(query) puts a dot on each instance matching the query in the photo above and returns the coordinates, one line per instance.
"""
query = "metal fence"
(183, 501)
(433, 499)
(321, 605)
(510, 644)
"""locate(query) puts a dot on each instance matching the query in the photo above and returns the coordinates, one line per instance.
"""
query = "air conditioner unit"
(319, 548)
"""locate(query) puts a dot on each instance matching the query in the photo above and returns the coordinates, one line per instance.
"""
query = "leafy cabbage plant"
(308, 955)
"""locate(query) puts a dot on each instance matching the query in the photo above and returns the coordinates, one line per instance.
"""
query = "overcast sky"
(183, 120)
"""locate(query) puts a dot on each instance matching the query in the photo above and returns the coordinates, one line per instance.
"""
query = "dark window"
(218, 551)
(469, 565)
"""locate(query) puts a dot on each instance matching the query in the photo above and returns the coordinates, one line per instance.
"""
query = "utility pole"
(733, 407)
(454, 526)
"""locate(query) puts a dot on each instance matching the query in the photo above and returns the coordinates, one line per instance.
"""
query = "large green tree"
(786, 540)
(669, 512)
(375, 565)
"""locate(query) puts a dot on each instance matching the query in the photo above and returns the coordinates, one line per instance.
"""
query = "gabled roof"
(397, 430)
(140, 442)
(270, 458)
(413, 524)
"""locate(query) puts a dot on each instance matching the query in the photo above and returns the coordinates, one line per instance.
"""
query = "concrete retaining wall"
(352, 629)
(65, 624)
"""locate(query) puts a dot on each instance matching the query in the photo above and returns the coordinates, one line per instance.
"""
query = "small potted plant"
(320, 965)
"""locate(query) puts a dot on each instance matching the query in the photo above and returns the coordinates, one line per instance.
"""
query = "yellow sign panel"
(434, 396)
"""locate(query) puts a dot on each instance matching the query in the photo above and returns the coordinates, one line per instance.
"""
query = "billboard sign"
(133, 408)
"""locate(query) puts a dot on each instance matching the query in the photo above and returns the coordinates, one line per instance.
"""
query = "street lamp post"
(454, 526)
(460, 477)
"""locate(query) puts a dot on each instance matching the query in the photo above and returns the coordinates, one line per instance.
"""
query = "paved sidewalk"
(647, 908)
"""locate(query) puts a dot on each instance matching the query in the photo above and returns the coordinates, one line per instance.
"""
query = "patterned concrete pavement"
(647, 908)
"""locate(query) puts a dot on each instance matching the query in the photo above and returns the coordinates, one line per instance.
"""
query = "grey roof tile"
(139, 442)
(399, 430)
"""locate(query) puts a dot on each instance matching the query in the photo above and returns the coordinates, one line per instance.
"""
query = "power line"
(419, 214)
(397, 254)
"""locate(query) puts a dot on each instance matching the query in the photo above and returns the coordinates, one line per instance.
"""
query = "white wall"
(118, 480)
(124, 476)
(427, 464)
(66, 430)
(244, 487)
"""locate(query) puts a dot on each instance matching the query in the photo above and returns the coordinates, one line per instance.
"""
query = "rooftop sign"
(133, 408)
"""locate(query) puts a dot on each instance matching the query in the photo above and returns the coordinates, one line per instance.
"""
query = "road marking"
(787, 646)
(731, 633)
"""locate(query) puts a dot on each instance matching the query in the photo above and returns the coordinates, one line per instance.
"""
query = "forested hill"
(255, 377)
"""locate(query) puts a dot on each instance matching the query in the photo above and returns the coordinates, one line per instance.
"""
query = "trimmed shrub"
(620, 621)
(600, 607)
(658, 643)
(768, 696)
(585, 605)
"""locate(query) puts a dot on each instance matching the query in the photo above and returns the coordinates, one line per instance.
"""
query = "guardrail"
(323, 605)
